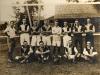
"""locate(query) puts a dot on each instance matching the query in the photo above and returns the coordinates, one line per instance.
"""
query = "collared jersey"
(56, 30)
(10, 31)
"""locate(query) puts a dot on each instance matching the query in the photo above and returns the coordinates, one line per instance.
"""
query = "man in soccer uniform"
(89, 53)
(24, 32)
(42, 52)
(46, 34)
(66, 37)
(71, 52)
(56, 39)
(10, 30)
(34, 39)
(90, 29)
(26, 54)
(77, 38)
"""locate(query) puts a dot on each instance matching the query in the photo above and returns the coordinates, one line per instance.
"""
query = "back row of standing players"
(55, 37)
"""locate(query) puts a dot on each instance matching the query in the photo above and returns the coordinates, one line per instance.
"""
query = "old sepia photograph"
(49, 37)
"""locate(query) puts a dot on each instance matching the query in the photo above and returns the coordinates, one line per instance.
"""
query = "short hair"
(65, 22)
(17, 9)
(11, 21)
(24, 41)
(41, 42)
(24, 19)
(88, 42)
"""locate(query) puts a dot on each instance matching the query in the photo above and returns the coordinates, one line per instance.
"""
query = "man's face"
(45, 22)
(17, 11)
(25, 43)
(76, 22)
(41, 44)
(88, 20)
(24, 21)
(70, 43)
(11, 23)
(56, 23)
(65, 24)
(88, 44)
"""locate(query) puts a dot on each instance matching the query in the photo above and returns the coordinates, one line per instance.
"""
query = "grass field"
(81, 68)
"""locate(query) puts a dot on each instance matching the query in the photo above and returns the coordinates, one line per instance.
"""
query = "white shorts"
(66, 39)
(46, 40)
(24, 37)
(71, 56)
(38, 39)
(56, 40)
(34, 40)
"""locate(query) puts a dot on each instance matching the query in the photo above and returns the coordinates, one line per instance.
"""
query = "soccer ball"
(17, 57)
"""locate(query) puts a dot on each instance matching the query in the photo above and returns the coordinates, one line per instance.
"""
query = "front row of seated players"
(42, 54)
(89, 53)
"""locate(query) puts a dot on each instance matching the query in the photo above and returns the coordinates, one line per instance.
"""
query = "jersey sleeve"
(6, 30)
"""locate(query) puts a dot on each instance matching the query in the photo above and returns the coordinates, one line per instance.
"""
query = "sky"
(6, 12)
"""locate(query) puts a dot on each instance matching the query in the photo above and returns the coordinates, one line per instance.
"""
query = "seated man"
(42, 52)
(89, 53)
(26, 53)
(71, 52)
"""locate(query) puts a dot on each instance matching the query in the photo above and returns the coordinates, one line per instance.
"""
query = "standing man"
(90, 29)
(46, 37)
(24, 32)
(56, 39)
(10, 30)
(34, 36)
(77, 38)
(66, 37)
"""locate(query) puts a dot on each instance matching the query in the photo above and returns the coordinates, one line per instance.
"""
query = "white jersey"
(65, 29)
(10, 31)
(79, 28)
(56, 30)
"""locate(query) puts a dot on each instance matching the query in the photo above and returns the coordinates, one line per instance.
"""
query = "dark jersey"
(24, 28)
(35, 31)
(88, 50)
(25, 49)
(46, 30)
(43, 49)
